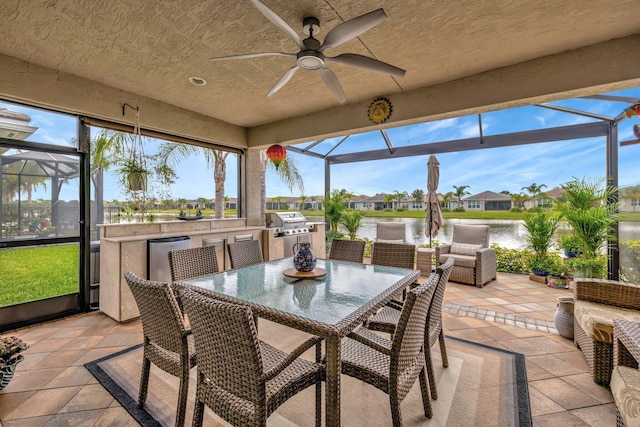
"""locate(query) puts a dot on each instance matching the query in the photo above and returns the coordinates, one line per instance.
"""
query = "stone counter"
(123, 248)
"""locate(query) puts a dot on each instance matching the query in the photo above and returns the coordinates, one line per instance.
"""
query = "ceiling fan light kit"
(311, 55)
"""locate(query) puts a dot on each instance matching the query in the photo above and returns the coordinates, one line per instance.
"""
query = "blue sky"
(509, 168)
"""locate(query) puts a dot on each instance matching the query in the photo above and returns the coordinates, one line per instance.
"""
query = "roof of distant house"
(488, 196)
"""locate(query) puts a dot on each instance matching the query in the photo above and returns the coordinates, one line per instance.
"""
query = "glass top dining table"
(330, 306)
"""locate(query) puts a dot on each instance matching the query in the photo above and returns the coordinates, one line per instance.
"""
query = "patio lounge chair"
(168, 343)
(393, 366)
(474, 260)
(243, 379)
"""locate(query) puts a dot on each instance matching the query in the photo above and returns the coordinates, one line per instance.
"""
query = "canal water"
(509, 234)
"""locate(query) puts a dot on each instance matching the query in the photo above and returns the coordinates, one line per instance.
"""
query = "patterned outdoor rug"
(483, 386)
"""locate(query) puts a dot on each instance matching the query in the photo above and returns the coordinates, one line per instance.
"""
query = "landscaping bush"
(630, 261)
(387, 210)
(400, 210)
(516, 209)
(445, 210)
(459, 210)
(512, 260)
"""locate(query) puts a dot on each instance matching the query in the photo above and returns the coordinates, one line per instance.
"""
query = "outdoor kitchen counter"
(123, 247)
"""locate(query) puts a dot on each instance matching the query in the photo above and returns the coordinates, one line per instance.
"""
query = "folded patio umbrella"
(433, 217)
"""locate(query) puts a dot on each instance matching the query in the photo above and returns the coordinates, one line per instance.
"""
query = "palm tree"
(171, 153)
(351, 221)
(534, 189)
(446, 198)
(418, 195)
(519, 199)
(303, 200)
(388, 198)
(399, 196)
(334, 207)
(286, 171)
(461, 191)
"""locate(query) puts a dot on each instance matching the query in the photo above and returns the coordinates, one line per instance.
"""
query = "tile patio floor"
(52, 387)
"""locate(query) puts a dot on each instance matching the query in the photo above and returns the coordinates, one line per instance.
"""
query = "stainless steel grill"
(291, 227)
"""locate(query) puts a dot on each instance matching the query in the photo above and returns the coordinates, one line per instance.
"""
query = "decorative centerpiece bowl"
(304, 259)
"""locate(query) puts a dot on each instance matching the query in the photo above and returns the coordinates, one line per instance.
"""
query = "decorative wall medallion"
(380, 110)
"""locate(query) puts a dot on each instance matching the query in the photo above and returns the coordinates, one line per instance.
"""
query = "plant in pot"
(557, 277)
(541, 265)
(10, 349)
(570, 245)
(540, 228)
(133, 175)
(591, 211)
(584, 266)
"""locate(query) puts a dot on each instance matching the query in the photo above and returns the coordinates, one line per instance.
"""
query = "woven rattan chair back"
(435, 312)
(347, 250)
(193, 262)
(245, 253)
(400, 255)
(232, 379)
(166, 338)
(407, 353)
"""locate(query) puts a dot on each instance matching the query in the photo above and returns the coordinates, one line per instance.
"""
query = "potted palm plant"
(540, 228)
(590, 210)
(570, 245)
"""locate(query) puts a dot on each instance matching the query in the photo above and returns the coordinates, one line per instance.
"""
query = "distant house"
(488, 201)
(545, 200)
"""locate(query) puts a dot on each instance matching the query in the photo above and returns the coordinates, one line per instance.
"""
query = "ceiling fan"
(311, 55)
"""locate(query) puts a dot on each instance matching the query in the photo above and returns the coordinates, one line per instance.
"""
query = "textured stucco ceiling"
(150, 48)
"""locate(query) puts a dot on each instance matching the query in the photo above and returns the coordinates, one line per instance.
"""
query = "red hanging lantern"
(276, 153)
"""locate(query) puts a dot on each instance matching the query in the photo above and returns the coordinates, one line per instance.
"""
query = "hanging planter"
(134, 176)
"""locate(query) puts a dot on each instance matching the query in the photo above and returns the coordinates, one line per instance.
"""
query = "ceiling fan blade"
(253, 55)
(332, 83)
(283, 80)
(279, 22)
(353, 28)
(366, 63)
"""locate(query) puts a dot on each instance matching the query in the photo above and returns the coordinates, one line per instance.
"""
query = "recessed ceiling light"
(198, 81)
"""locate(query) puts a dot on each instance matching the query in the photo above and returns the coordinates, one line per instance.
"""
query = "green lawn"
(30, 274)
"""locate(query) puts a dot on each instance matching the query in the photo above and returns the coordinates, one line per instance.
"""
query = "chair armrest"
(486, 256)
(610, 292)
(286, 361)
(373, 340)
(441, 250)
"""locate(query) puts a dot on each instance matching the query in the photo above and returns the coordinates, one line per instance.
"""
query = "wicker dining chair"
(168, 343)
(242, 379)
(400, 255)
(347, 250)
(393, 366)
(245, 253)
(193, 262)
(386, 320)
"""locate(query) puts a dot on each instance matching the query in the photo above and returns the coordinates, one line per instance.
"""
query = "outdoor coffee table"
(329, 307)
(626, 343)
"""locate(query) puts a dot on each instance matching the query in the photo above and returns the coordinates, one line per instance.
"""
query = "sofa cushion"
(625, 387)
(459, 260)
(465, 248)
(597, 319)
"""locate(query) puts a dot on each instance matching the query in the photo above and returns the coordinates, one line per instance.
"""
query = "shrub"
(459, 210)
(445, 210)
(516, 209)
(512, 260)
(400, 210)
(630, 261)
(387, 210)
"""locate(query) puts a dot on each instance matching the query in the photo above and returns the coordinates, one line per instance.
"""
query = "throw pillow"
(464, 248)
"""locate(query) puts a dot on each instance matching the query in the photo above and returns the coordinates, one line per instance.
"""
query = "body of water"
(506, 233)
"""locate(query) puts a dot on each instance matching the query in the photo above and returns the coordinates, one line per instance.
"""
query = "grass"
(38, 273)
